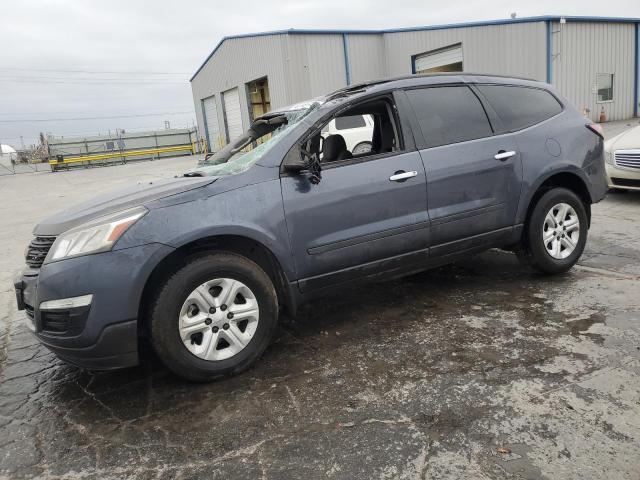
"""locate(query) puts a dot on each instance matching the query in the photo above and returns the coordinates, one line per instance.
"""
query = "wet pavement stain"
(429, 376)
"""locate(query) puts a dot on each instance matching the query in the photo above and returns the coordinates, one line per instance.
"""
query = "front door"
(356, 216)
(368, 213)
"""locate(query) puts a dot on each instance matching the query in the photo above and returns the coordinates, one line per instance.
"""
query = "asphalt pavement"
(479, 370)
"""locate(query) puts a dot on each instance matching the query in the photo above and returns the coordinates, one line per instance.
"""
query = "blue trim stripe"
(347, 67)
(636, 80)
(546, 18)
(549, 51)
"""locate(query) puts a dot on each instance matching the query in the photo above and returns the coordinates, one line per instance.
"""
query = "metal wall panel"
(515, 49)
(296, 70)
(317, 63)
(366, 57)
(581, 50)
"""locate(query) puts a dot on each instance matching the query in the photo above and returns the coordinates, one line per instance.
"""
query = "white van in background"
(357, 131)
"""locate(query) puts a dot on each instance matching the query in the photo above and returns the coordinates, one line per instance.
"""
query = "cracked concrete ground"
(480, 370)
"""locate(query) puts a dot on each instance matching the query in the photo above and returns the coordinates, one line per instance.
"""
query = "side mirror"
(295, 161)
(296, 166)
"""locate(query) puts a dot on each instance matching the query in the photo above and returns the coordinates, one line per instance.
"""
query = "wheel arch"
(239, 244)
(568, 179)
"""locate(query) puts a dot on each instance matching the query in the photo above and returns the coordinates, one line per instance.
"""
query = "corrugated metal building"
(593, 61)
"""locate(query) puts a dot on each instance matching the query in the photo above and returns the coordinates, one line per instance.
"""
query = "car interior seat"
(335, 148)
(383, 135)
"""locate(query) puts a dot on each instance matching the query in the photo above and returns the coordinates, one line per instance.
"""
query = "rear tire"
(213, 317)
(556, 233)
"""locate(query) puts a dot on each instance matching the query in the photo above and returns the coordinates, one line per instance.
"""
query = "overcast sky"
(54, 54)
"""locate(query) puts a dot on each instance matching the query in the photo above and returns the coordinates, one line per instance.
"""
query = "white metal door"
(231, 99)
(439, 58)
(211, 124)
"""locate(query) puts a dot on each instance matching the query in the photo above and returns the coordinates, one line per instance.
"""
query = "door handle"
(401, 176)
(502, 155)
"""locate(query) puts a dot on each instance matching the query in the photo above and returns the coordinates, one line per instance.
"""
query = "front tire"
(213, 317)
(556, 233)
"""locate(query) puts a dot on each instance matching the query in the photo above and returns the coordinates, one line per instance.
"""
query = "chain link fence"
(10, 165)
(116, 148)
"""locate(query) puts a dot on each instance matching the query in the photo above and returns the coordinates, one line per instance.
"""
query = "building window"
(604, 87)
(447, 59)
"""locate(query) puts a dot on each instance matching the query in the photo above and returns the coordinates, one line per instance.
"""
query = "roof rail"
(358, 87)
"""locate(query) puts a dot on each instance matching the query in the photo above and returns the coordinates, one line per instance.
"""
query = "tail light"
(596, 128)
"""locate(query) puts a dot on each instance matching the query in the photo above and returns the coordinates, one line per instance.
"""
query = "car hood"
(629, 139)
(118, 200)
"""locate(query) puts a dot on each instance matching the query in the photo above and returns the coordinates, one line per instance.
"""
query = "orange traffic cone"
(603, 116)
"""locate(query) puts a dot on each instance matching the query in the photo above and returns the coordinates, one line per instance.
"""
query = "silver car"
(622, 155)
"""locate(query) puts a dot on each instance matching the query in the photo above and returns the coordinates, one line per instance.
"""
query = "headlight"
(608, 157)
(96, 236)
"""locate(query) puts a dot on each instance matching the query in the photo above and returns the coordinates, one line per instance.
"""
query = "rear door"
(473, 176)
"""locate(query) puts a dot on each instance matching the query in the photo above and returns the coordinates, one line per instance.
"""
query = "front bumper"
(622, 177)
(104, 334)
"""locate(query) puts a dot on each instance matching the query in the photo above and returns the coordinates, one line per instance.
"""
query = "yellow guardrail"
(124, 154)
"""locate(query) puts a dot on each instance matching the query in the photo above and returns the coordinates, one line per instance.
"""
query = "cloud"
(168, 36)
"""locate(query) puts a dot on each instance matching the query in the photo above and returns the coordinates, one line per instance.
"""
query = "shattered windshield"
(245, 151)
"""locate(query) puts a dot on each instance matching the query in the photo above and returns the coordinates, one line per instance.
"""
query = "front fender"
(253, 211)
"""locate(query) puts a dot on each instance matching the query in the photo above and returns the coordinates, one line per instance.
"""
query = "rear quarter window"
(520, 107)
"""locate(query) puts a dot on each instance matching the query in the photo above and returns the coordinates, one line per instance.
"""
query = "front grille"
(37, 251)
(627, 159)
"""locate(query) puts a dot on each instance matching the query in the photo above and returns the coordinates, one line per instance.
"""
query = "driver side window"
(364, 130)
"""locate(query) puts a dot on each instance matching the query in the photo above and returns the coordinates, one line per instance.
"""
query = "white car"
(622, 155)
(357, 131)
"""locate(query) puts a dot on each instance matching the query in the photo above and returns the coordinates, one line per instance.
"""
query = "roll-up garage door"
(212, 128)
(232, 115)
(448, 59)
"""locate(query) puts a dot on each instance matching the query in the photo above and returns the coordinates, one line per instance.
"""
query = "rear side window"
(520, 107)
(350, 121)
(449, 115)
